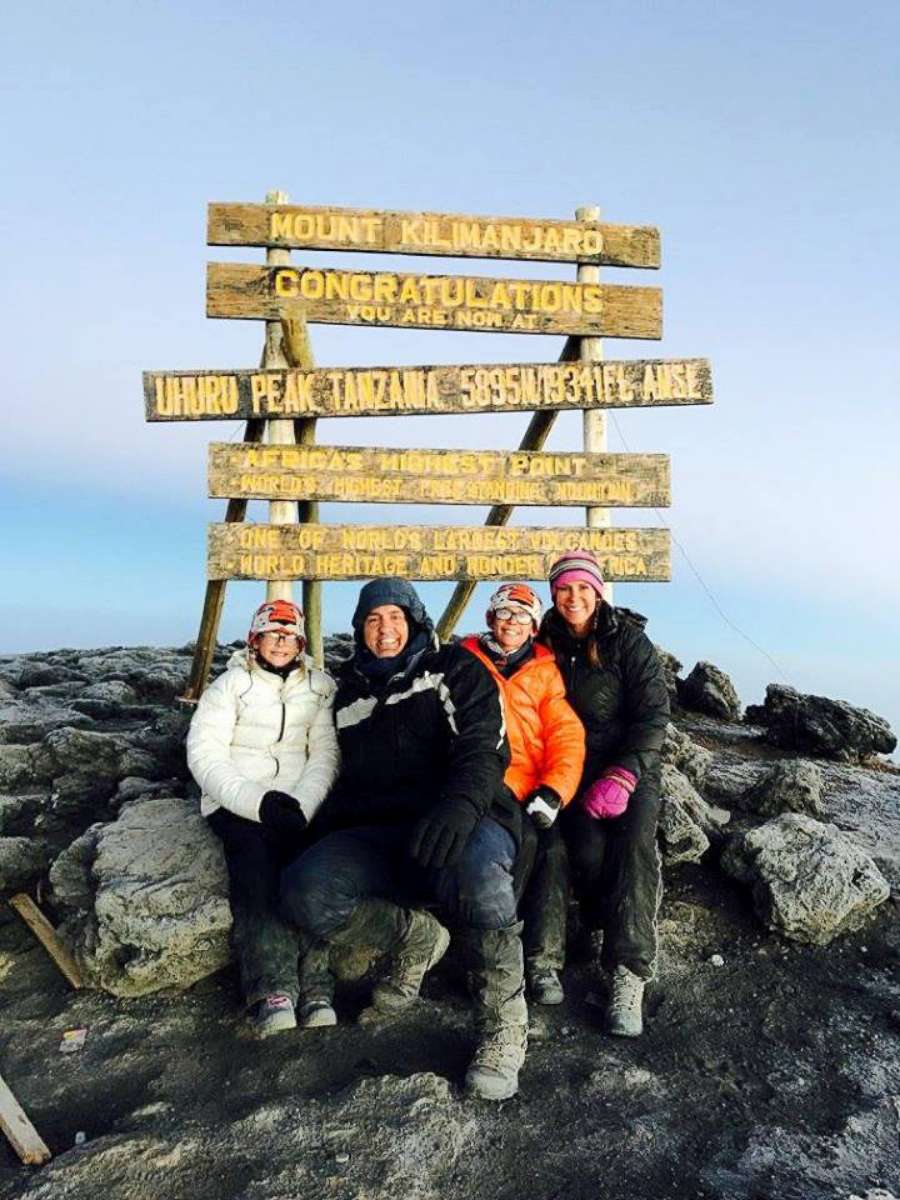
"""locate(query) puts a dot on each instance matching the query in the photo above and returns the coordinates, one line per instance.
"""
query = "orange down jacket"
(546, 738)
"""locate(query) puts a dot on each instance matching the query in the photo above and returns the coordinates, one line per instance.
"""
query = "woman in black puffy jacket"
(615, 682)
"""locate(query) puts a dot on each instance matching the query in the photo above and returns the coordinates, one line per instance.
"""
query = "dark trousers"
(265, 945)
(322, 889)
(616, 877)
(545, 904)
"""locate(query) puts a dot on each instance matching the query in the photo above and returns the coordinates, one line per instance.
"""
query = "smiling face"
(278, 649)
(575, 602)
(386, 631)
(510, 634)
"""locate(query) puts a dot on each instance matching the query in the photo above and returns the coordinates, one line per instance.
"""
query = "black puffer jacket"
(434, 731)
(623, 703)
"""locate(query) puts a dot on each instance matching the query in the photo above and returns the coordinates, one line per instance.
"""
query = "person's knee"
(316, 896)
(484, 893)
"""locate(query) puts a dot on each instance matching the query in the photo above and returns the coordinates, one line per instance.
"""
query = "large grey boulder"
(709, 690)
(792, 785)
(681, 751)
(817, 725)
(144, 899)
(687, 823)
(810, 881)
(671, 669)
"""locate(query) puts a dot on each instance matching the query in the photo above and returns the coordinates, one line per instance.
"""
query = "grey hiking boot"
(624, 1017)
(493, 1073)
(420, 948)
(316, 1014)
(273, 1014)
(544, 986)
(497, 983)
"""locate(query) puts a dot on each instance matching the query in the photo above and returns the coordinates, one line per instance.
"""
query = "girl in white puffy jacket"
(262, 747)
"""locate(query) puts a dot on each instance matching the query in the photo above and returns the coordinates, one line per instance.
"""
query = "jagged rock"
(671, 669)
(21, 860)
(23, 766)
(792, 785)
(39, 674)
(114, 692)
(29, 718)
(145, 899)
(817, 725)
(18, 812)
(686, 821)
(709, 690)
(729, 778)
(810, 881)
(681, 751)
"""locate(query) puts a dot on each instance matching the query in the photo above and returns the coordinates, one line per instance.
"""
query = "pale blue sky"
(761, 138)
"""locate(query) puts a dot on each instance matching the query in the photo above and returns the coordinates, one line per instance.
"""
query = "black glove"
(439, 839)
(281, 812)
(542, 805)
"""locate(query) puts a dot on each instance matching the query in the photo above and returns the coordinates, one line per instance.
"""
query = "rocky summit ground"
(770, 1065)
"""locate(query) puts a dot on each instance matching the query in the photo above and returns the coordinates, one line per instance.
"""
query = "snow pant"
(545, 903)
(321, 890)
(616, 877)
(265, 945)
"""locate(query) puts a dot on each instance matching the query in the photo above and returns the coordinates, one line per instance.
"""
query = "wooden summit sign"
(421, 391)
(388, 476)
(489, 552)
(383, 298)
(315, 228)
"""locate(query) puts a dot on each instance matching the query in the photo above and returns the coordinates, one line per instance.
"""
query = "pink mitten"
(608, 795)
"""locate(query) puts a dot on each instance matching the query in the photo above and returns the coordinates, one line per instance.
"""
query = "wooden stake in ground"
(590, 349)
(46, 935)
(21, 1134)
(533, 438)
(281, 433)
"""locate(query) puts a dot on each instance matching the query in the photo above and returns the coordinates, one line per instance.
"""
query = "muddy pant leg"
(265, 946)
(631, 899)
(544, 907)
(478, 892)
(316, 979)
(322, 889)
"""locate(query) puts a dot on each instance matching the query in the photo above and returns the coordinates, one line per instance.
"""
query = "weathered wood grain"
(46, 935)
(311, 227)
(383, 298)
(427, 552)
(208, 395)
(390, 476)
(20, 1133)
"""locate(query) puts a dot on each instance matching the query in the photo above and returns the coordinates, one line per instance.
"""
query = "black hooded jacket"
(623, 703)
(432, 731)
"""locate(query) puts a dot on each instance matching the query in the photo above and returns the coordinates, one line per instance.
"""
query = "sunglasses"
(513, 614)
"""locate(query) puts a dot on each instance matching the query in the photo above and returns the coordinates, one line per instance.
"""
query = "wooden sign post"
(288, 393)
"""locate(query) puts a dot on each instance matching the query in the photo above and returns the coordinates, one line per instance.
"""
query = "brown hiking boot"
(493, 1073)
(420, 948)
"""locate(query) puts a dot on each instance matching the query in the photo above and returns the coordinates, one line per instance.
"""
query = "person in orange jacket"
(547, 749)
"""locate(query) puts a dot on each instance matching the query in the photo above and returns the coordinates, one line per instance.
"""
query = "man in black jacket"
(420, 815)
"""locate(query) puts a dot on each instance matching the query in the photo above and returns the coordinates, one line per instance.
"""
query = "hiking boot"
(624, 1012)
(420, 948)
(273, 1014)
(497, 984)
(544, 985)
(317, 1014)
(493, 1073)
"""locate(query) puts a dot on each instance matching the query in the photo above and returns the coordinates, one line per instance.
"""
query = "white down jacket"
(254, 732)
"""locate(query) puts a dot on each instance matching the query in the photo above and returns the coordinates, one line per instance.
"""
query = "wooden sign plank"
(422, 391)
(47, 936)
(389, 476)
(383, 298)
(427, 552)
(20, 1133)
(313, 227)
